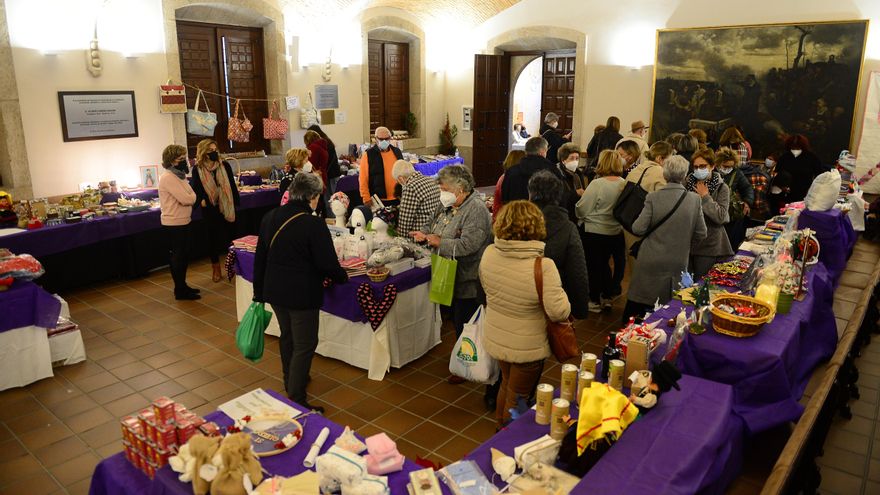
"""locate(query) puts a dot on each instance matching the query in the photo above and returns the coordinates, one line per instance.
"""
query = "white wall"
(58, 167)
(527, 96)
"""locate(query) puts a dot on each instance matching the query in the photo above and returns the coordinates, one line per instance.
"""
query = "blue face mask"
(383, 144)
(701, 173)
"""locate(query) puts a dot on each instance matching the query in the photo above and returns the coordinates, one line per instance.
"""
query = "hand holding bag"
(443, 278)
(634, 249)
(201, 123)
(239, 129)
(249, 335)
(469, 359)
(274, 128)
(563, 342)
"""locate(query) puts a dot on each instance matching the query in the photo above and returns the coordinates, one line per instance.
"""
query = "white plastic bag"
(469, 359)
(824, 191)
(857, 210)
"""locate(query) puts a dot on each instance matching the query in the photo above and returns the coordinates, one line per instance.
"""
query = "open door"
(491, 119)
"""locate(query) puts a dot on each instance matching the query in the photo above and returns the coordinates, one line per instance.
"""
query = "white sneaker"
(606, 303)
(594, 307)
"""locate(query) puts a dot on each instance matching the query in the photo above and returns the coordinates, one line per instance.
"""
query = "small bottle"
(609, 353)
(363, 248)
(457, 155)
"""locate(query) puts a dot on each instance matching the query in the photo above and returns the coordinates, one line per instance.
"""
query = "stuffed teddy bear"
(197, 452)
(238, 460)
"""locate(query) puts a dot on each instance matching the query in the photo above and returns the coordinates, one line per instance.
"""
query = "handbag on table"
(634, 249)
(239, 129)
(198, 122)
(274, 128)
(563, 342)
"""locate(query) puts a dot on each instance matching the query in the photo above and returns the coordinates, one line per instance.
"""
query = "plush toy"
(8, 218)
(647, 387)
(239, 462)
(190, 460)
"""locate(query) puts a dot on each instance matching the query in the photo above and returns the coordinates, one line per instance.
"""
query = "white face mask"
(447, 198)
(307, 167)
(571, 166)
(769, 163)
(796, 153)
(725, 170)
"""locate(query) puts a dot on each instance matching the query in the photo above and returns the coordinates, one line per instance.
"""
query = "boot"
(217, 276)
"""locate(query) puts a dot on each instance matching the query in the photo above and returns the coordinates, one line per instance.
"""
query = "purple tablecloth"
(143, 194)
(250, 180)
(115, 475)
(25, 304)
(341, 299)
(769, 371)
(59, 238)
(350, 182)
(836, 238)
(690, 443)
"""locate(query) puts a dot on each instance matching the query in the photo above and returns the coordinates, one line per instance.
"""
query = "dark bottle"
(609, 353)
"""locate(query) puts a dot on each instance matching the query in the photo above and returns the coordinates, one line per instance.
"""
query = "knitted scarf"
(712, 182)
(217, 187)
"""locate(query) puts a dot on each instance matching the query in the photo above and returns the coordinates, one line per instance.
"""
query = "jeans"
(518, 380)
(179, 239)
(219, 232)
(462, 310)
(299, 339)
(598, 249)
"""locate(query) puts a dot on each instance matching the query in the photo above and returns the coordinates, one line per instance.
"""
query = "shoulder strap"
(282, 227)
(639, 183)
(666, 217)
(539, 280)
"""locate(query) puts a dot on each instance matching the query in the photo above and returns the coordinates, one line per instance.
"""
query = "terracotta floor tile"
(39, 418)
(76, 469)
(94, 382)
(370, 408)
(111, 393)
(196, 379)
(446, 392)
(189, 399)
(346, 373)
(118, 336)
(410, 449)
(167, 389)
(428, 435)
(19, 408)
(11, 449)
(423, 406)
(18, 468)
(44, 436)
(343, 397)
(61, 451)
(80, 370)
(245, 377)
(345, 418)
(178, 369)
(146, 380)
(131, 370)
(397, 422)
(108, 450)
(38, 484)
(103, 434)
(5, 434)
(396, 394)
(148, 350)
(216, 389)
(368, 386)
(163, 359)
(457, 447)
(481, 430)
(455, 418)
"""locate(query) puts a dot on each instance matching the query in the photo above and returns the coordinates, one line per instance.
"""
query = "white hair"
(675, 169)
(379, 129)
(402, 168)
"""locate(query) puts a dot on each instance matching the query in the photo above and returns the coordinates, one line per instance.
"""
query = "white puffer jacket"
(515, 329)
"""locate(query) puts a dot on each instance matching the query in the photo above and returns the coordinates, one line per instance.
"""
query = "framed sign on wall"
(88, 115)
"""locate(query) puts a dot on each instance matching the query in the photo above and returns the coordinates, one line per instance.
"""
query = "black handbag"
(630, 203)
(634, 249)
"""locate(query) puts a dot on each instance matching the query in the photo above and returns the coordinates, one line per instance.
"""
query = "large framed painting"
(770, 80)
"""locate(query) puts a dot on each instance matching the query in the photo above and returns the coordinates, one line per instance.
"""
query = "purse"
(239, 129)
(172, 98)
(563, 342)
(634, 249)
(274, 128)
(201, 123)
(630, 203)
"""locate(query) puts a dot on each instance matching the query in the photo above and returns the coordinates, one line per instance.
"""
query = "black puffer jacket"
(564, 247)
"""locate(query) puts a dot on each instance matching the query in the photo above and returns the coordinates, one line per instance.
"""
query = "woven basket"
(379, 275)
(739, 326)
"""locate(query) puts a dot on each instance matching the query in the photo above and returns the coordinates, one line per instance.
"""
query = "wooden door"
(491, 119)
(557, 92)
(229, 61)
(388, 75)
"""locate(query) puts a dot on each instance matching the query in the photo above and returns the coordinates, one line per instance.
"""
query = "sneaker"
(594, 307)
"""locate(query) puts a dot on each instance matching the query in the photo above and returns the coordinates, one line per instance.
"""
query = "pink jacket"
(176, 198)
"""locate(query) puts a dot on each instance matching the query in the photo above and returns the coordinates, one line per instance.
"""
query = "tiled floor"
(142, 344)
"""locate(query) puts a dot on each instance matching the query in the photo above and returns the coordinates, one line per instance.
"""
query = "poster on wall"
(87, 115)
(326, 96)
(770, 80)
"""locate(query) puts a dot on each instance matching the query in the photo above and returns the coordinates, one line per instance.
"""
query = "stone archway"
(548, 38)
(415, 36)
(251, 13)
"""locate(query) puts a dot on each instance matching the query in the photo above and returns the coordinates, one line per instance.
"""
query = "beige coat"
(515, 329)
(653, 180)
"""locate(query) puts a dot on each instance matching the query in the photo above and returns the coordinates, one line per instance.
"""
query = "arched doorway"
(525, 109)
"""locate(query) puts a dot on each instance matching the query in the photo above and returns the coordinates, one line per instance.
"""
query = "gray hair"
(551, 117)
(545, 188)
(536, 144)
(675, 169)
(382, 129)
(305, 186)
(456, 176)
(402, 168)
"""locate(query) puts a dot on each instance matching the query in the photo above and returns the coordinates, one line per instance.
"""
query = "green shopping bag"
(442, 279)
(249, 336)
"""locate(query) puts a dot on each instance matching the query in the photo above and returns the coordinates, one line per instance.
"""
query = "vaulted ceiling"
(471, 12)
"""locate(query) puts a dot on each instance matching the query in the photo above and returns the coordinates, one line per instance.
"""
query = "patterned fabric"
(760, 210)
(230, 264)
(217, 187)
(274, 128)
(418, 203)
(239, 129)
(713, 183)
(742, 152)
(376, 310)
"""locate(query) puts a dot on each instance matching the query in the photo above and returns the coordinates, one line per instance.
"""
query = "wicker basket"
(378, 274)
(739, 326)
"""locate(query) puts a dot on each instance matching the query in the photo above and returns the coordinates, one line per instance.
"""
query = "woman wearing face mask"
(801, 164)
(297, 161)
(740, 188)
(715, 199)
(461, 229)
(176, 198)
(217, 194)
(630, 153)
(572, 176)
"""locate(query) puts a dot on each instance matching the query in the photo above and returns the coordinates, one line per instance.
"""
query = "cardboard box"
(638, 357)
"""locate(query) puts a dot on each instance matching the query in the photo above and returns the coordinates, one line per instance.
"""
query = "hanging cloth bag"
(274, 127)
(201, 123)
(172, 98)
(239, 129)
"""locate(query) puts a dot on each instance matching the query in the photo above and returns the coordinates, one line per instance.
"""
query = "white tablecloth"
(24, 356)
(411, 328)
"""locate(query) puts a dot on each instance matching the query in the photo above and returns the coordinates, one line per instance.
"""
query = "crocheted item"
(230, 264)
(376, 310)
